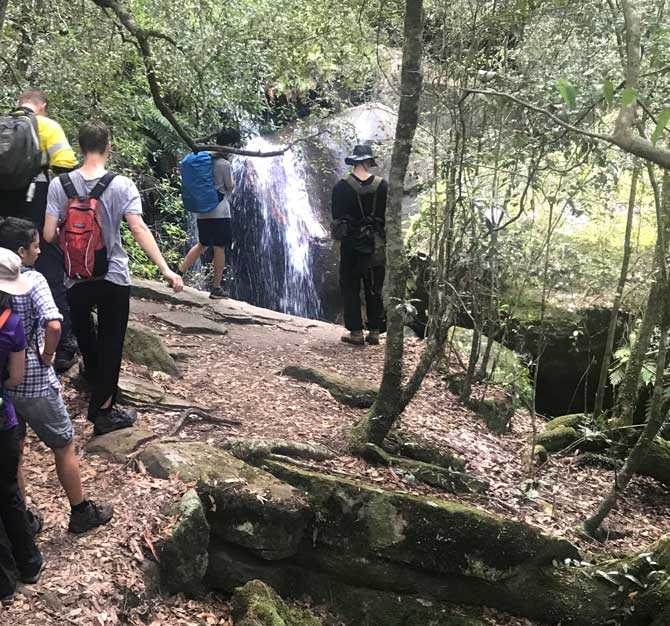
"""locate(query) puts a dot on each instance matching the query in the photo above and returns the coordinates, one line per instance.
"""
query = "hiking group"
(61, 258)
(65, 288)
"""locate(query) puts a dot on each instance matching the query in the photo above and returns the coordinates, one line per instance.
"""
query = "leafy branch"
(143, 38)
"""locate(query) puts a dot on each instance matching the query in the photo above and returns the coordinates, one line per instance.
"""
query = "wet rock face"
(267, 262)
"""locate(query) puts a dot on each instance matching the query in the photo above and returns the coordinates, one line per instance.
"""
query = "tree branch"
(624, 138)
(143, 36)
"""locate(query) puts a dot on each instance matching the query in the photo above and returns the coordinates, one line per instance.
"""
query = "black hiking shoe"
(30, 578)
(67, 354)
(355, 338)
(113, 419)
(92, 516)
(373, 338)
(218, 292)
(7, 600)
(35, 521)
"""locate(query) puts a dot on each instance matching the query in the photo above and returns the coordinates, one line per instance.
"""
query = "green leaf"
(608, 92)
(628, 97)
(568, 93)
(663, 120)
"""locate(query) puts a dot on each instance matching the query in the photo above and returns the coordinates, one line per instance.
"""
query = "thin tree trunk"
(3, 11)
(375, 426)
(618, 297)
(475, 349)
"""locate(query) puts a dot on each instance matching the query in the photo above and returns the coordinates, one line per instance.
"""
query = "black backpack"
(20, 154)
(368, 238)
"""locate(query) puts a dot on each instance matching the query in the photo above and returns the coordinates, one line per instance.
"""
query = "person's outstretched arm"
(142, 235)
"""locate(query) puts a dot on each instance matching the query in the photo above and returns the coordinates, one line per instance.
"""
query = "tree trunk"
(618, 296)
(374, 427)
(475, 349)
(658, 410)
(3, 11)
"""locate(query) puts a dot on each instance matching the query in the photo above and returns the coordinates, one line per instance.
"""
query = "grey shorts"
(47, 416)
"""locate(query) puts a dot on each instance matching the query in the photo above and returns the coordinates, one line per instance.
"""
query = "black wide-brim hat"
(361, 153)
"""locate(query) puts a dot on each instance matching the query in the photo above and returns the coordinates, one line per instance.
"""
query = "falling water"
(274, 225)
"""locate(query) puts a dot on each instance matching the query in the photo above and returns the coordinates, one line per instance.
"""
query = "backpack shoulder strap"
(67, 185)
(374, 185)
(4, 316)
(103, 183)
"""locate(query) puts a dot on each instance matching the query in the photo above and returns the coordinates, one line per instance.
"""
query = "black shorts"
(215, 232)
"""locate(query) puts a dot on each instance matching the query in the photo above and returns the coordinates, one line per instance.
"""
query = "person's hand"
(47, 358)
(174, 280)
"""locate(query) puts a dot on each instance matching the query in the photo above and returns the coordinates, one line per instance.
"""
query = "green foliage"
(568, 93)
(663, 120)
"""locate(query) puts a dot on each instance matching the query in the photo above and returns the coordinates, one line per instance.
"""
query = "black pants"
(50, 263)
(100, 347)
(354, 270)
(17, 546)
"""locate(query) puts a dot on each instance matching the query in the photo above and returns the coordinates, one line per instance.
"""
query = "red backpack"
(81, 237)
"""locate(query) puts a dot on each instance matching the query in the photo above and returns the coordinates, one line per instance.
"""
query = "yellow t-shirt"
(56, 150)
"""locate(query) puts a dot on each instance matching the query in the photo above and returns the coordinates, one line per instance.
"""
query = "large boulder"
(245, 505)
(369, 605)
(184, 553)
(145, 347)
(352, 392)
(355, 521)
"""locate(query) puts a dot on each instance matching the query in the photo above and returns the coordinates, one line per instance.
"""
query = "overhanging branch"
(623, 136)
(143, 37)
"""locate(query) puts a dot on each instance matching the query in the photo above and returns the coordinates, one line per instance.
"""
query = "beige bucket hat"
(11, 281)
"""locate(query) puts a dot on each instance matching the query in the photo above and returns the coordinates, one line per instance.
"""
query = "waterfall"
(274, 228)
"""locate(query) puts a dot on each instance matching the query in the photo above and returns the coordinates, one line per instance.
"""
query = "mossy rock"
(496, 412)
(354, 393)
(145, 347)
(183, 554)
(257, 604)
(557, 438)
(245, 505)
(431, 534)
(574, 420)
(656, 463)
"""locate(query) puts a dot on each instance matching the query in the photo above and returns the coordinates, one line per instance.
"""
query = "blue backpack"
(198, 190)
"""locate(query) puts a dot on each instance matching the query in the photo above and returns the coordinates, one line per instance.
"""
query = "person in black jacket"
(358, 209)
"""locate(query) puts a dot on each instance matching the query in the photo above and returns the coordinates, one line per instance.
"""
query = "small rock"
(192, 323)
(145, 347)
(117, 445)
(134, 390)
(409, 333)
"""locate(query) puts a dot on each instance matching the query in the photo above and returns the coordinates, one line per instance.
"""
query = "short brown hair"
(93, 137)
(33, 95)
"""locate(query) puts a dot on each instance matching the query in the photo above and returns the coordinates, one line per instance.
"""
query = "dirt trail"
(107, 577)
